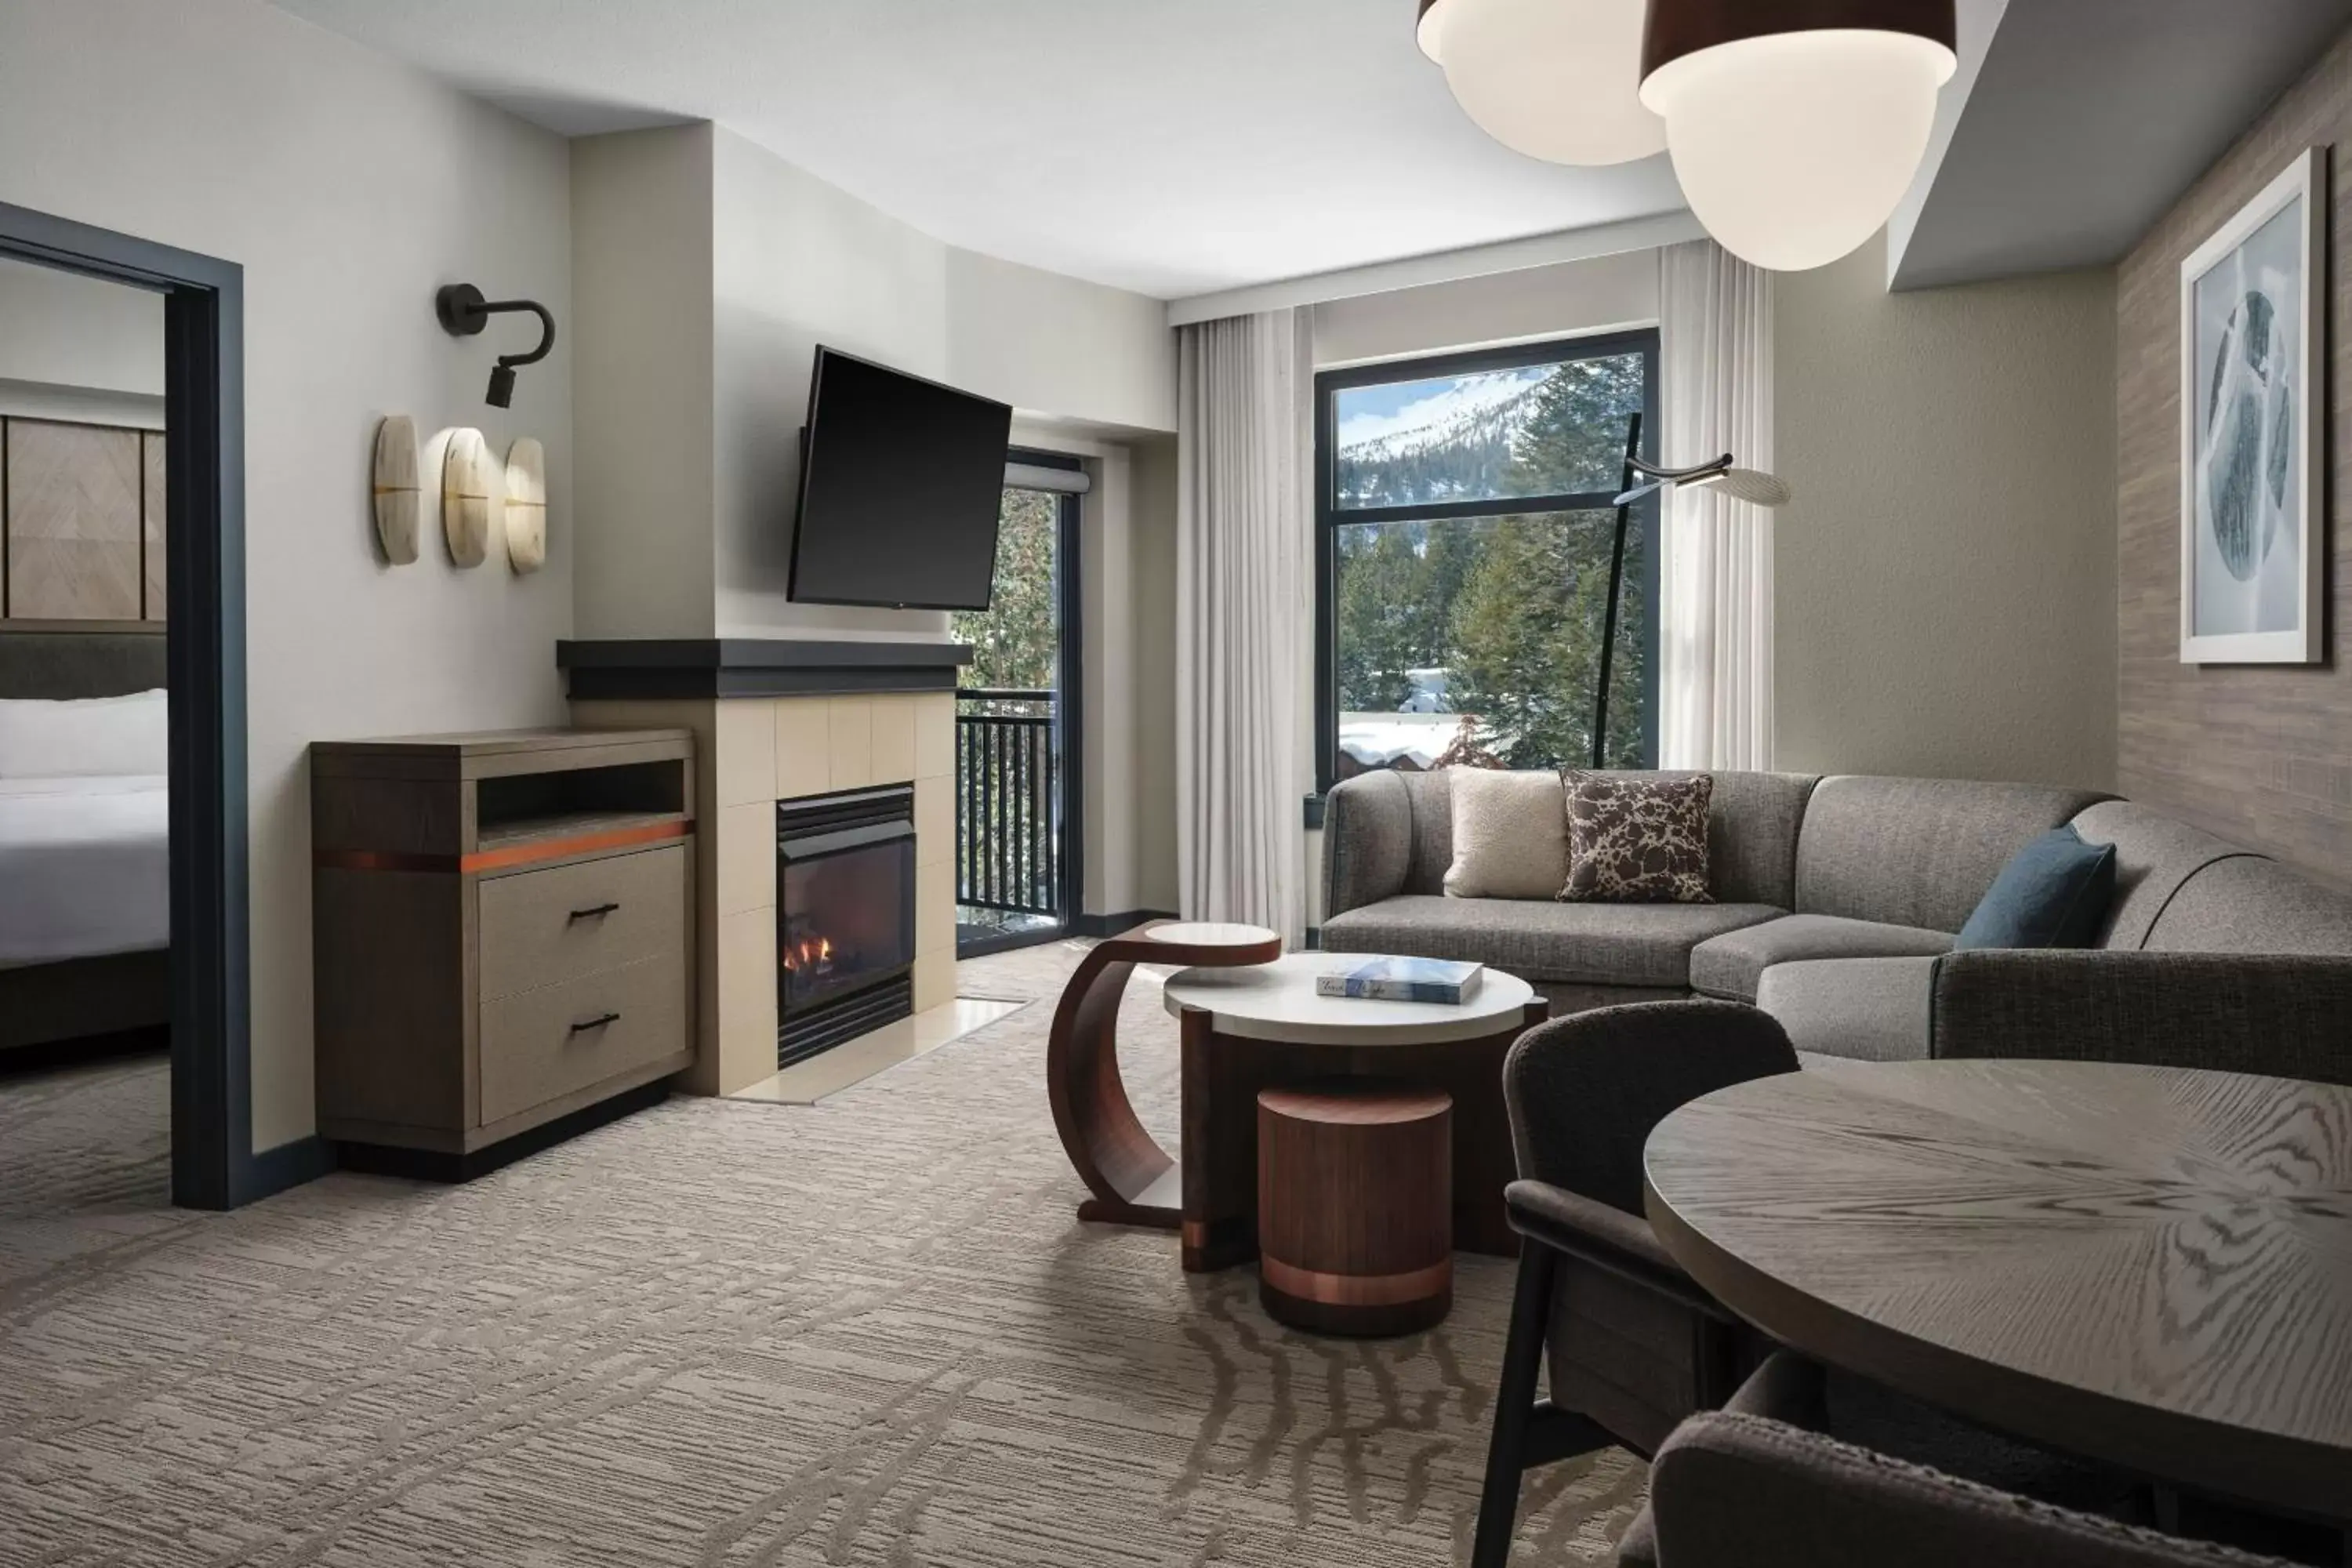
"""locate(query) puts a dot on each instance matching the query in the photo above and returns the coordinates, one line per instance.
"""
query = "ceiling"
(2087, 120)
(1172, 147)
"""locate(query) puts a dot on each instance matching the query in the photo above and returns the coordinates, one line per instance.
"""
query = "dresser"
(502, 930)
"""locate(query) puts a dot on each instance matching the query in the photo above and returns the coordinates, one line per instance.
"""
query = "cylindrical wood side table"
(1355, 1208)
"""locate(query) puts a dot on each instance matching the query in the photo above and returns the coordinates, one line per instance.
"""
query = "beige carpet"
(868, 1331)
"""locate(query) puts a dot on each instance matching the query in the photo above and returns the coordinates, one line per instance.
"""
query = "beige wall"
(2260, 753)
(1568, 297)
(348, 187)
(1945, 582)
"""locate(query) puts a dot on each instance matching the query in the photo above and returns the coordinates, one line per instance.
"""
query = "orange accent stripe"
(1357, 1289)
(500, 859)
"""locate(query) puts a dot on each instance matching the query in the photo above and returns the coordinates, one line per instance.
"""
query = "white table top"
(1208, 933)
(1278, 1002)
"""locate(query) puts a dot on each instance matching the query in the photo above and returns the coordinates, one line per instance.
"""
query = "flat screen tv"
(901, 480)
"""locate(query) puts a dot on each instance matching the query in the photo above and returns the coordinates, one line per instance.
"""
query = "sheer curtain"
(1242, 604)
(1715, 642)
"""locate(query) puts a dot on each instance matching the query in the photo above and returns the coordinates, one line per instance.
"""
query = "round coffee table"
(1245, 1030)
(2149, 1266)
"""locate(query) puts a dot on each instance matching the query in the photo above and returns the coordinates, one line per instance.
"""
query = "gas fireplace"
(845, 916)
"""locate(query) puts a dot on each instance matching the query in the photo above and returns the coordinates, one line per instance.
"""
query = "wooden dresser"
(502, 935)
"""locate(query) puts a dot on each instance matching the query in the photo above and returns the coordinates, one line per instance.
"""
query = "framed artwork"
(2253, 398)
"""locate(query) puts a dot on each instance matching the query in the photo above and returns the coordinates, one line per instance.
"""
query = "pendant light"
(1796, 126)
(1557, 79)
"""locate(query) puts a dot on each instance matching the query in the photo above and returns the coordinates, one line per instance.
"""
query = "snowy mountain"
(1439, 448)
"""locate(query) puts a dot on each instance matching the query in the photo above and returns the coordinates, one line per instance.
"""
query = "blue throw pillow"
(2052, 893)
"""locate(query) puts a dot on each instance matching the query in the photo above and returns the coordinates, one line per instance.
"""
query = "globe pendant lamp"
(1796, 126)
(1557, 79)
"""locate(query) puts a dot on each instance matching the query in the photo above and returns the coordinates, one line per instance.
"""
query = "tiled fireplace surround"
(757, 751)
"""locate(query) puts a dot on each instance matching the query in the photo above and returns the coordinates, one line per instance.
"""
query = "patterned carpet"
(868, 1331)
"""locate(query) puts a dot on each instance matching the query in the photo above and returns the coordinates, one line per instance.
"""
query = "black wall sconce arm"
(464, 312)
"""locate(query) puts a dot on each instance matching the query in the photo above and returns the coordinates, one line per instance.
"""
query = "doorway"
(1018, 711)
(191, 566)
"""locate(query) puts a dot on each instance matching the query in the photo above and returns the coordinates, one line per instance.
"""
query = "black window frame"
(1329, 518)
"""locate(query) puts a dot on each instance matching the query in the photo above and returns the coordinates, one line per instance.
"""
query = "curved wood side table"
(1133, 1180)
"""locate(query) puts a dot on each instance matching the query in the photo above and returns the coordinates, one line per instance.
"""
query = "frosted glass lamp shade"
(1556, 79)
(1793, 148)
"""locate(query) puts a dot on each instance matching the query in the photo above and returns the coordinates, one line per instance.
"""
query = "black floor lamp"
(1751, 485)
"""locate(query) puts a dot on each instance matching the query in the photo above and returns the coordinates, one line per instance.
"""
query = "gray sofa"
(1837, 900)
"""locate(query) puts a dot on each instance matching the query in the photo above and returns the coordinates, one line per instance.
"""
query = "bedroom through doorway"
(86, 983)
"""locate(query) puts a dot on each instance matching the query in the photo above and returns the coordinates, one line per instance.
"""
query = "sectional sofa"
(1836, 901)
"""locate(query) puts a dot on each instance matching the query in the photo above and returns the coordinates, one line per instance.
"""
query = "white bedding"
(84, 867)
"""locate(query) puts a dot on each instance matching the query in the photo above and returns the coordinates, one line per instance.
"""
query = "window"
(1465, 531)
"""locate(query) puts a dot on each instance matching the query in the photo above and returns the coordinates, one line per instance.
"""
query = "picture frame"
(2253, 401)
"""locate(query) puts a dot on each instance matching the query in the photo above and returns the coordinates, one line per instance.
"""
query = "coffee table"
(2149, 1266)
(1246, 1029)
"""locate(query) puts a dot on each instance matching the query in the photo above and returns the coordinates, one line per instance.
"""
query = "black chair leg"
(1507, 1452)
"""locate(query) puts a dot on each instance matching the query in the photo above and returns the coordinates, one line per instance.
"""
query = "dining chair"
(1757, 1485)
(1635, 1344)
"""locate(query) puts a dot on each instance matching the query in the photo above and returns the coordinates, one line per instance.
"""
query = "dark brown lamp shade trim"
(1679, 28)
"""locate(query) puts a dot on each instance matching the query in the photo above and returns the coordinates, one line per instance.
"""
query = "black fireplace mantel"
(655, 668)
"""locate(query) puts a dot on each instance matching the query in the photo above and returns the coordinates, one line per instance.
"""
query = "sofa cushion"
(1729, 965)
(1868, 1009)
(1510, 836)
(2155, 854)
(1637, 841)
(1609, 944)
(1367, 840)
(2054, 892)
(2248, 904)
(1918, 852)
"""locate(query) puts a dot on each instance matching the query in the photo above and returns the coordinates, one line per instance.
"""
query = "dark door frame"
(1069, 711)
(212, 1162)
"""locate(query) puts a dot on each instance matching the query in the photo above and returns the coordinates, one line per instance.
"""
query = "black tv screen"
(901, 480)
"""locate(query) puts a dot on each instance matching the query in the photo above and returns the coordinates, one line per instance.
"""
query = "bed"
(84, 855)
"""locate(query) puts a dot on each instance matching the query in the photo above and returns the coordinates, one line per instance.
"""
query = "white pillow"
(48, 740)
(1510, 835)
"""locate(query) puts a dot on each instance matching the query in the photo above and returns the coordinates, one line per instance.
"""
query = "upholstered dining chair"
(1635, 1344)
(1757, 1485)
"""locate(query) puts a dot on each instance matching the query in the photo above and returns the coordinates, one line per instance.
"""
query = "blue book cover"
(1403, 980)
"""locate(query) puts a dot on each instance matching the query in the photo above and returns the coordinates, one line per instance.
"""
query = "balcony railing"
(1009, 850)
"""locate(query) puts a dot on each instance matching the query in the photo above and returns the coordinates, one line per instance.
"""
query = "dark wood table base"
(1355, 1208)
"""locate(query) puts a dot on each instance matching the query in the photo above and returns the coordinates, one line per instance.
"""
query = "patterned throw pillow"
(1637, 841)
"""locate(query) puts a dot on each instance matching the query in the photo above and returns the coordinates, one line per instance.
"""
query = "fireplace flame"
(808, 954)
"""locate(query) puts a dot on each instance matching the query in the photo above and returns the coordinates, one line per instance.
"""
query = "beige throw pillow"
(1510, 835)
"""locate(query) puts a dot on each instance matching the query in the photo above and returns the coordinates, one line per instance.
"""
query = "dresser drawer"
(540, 928)
(557, 1038)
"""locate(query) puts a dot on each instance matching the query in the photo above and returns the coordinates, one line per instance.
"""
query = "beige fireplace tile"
(935, 823)
(745, 875)
(803, 747)
(935, 907)
(851, 722)
(746, 998)
(935, 739)
(894, 739)
(935, 978)
(744, 729)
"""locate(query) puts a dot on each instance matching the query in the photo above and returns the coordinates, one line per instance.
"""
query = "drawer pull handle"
(591, 913)
(598, 1022)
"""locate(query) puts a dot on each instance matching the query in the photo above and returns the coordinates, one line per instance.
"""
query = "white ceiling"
(1167, 146)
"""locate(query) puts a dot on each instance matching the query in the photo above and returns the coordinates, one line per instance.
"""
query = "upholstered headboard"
(79, 664)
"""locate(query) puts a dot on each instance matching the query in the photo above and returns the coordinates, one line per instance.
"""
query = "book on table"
(1403, 980)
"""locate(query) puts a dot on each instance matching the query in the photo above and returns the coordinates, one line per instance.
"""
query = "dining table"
(2150, 1266)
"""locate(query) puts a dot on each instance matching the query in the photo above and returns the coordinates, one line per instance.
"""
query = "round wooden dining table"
(2150, 1267)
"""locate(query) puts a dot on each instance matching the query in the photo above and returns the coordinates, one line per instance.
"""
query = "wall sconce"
(464, 312)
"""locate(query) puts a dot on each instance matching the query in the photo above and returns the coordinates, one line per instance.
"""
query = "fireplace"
(845, 916)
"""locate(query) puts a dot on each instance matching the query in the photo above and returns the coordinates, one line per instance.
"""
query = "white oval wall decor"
(469, 484)
(399, 497)
(526, 505)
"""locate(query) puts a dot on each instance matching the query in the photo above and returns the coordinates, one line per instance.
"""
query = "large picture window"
(1465, 536)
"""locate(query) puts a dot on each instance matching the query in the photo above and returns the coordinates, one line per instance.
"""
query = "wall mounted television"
(901, 482)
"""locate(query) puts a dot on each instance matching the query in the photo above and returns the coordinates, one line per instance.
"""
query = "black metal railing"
(1009, 851)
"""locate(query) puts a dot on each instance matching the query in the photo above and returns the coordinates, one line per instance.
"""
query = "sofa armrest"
(1608, 1239)
(2288, 1016)
(1367, 841)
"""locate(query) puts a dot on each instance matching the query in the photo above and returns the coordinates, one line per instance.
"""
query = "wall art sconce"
(464, 312)
(468, 476)
(399, 498)
(526, 506)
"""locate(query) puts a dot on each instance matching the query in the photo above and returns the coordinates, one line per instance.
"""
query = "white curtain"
(1715, 640)
(1243, 614)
